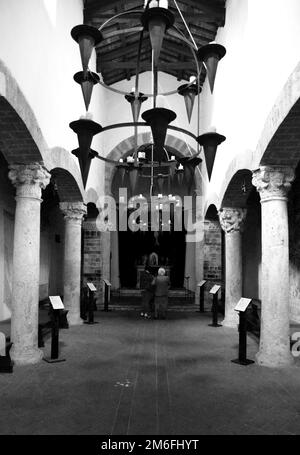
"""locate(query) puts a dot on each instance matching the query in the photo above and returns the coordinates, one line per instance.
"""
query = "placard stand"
(201, 287)
(214, 291)
(57, 305)
(91, 297)
(6, 365)
(107, 286)
(241, 307)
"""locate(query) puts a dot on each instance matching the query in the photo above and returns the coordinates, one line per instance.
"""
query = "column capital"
(29, 179)
(273, 182)
(73, 210)
(232, 219)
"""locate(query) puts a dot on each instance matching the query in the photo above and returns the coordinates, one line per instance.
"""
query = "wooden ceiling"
(117, 53)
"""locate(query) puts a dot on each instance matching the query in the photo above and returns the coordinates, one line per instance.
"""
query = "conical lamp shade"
(157, 21)
(136, 103)
(121, 170)
(133, 177)
(87, 82)
(85, 130)
(189, 171)
(180, 176)
(210, 142)
(160, 183)
(211, 54)
(189, 93)
(87, 37)
(85, 160)
(172, 169)
(157, 28)
(159, 118)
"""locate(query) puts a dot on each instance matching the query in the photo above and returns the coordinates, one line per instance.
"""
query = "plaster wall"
(261, 38)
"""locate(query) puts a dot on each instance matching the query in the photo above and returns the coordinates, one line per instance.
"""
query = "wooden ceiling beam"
(98, 7)
(146, 66)
(210, 7)
(120, 9)
(120, 52)
(207, 9)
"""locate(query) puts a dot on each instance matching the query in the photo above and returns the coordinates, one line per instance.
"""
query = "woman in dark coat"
(161, 289)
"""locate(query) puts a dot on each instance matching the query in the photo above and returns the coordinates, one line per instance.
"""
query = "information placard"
(56, 302)
(242, 304)
(91, 286)
(2, 344)
(201, 283)
(106, 282)
(215, 289)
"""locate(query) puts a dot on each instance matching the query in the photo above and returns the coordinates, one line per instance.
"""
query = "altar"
(154, 270)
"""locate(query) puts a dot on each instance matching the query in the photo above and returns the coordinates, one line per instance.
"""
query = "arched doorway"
(159, 230)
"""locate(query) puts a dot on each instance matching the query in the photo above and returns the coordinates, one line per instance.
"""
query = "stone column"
(73, 214)
(273, 183)
(232, 220)
(29, 180)
(115, 268)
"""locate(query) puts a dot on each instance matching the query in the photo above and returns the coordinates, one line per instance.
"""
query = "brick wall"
(294, 247)
(92, 256)
(212, 255)
(212, 251)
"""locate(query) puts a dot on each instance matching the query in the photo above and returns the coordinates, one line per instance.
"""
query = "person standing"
(161, 290)
(147, 292)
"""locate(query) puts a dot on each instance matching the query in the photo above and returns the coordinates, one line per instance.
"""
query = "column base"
(230, 322)
(275, 359)
(25, 357)
(74, 319)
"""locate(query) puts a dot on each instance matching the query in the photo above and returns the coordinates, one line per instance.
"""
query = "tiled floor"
(128, 376)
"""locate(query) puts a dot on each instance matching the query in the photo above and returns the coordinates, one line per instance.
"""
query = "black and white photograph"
(149, 223)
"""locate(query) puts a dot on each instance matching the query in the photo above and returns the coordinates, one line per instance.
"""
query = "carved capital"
(73, 211)
(29, 179)
(273, 182)
(232, 219)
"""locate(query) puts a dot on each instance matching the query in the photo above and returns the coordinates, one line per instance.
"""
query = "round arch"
(280, 138)
(238, 189)
(22, 141)
(124, 148)
(67, 188)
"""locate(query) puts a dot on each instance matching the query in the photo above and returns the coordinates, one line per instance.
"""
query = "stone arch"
(280, 138)
(66, 184)
(21, 139)
(59, 161)
(124, 148)
(211, 212)
(238, 189)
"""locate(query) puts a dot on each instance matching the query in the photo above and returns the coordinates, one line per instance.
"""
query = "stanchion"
(241, 307)
(214, 291)
(6, 365)
(107, 286)
(187, 287)
(91, 300)
(57, 305)
(201, 287)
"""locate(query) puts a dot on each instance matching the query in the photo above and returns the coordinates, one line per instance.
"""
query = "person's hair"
(161, 271)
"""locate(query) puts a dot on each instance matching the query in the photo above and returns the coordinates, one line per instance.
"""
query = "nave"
(129, 376)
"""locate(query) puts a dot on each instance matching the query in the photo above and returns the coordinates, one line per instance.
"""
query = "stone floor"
(129, 376)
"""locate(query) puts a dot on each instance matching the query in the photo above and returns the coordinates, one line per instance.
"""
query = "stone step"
(179, 293)
(114, 307)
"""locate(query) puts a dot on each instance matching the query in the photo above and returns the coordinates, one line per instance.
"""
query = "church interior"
(152, 137)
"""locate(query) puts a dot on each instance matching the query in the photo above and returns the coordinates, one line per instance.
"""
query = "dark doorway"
(135, 248)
